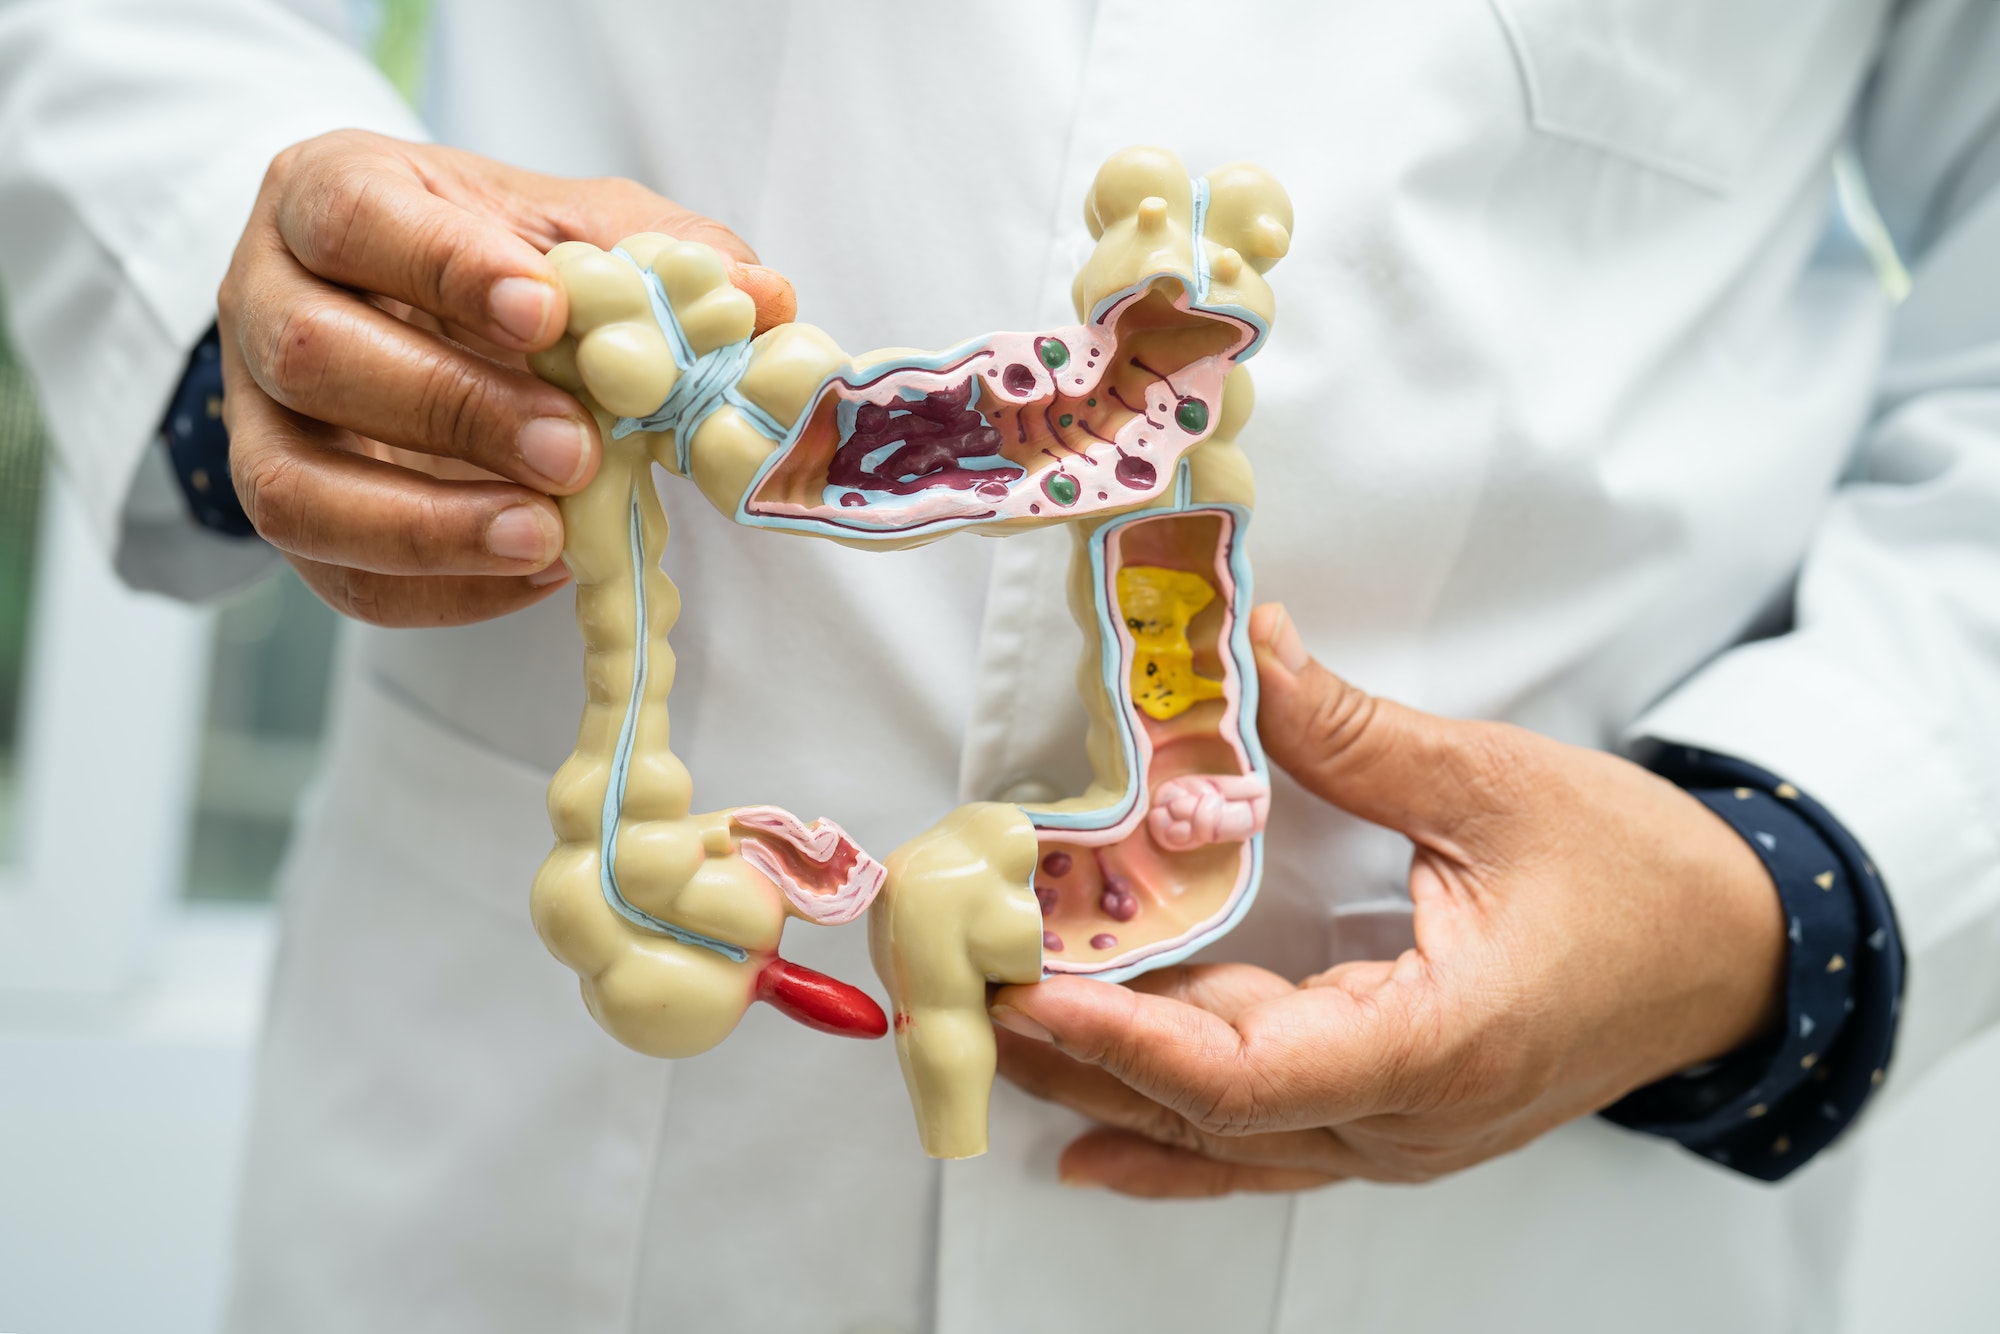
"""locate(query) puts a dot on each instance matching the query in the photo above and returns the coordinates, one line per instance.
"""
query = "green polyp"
(1061, 488)
(1192, 415)
(1053, 354)
(1064, 420)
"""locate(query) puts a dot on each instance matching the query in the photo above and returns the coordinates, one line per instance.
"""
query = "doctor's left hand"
(384, 431)
(1583, 928)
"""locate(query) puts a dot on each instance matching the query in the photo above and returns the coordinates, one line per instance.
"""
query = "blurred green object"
(402, 45)
(23, 448)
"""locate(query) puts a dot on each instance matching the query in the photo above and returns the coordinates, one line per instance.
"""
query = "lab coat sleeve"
(133, 137)
(1884, 701)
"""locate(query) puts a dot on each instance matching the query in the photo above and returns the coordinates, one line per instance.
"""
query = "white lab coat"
(1566, 389)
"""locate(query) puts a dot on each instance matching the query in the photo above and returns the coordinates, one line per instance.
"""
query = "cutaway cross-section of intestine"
(1162, 855)
(1122, 426)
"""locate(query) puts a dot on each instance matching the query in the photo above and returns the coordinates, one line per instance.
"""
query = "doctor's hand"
(385, 432)
(1583, 928)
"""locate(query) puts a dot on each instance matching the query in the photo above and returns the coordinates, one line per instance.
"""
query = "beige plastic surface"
(956, 915)
(732, 875)
(958, 910)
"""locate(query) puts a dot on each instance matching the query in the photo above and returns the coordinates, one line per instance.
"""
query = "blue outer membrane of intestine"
(621, 764)
(705, 383)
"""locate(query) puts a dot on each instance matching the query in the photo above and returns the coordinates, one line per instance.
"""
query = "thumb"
(1414, 772)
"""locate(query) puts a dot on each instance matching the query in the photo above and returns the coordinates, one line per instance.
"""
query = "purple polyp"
(1046, 895)
(1051, 942)
(1103, 940)
(1135, 473)
(1118, 902)
(1056, 864)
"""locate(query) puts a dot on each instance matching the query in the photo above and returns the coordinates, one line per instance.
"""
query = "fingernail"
(1014, 1021)
(555, 574)
(524, 532)
(522, 306)
(555, 447)
(1283, 641)
(1076, 1180)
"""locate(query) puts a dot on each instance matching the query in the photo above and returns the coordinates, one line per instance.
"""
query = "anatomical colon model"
(1122, 427)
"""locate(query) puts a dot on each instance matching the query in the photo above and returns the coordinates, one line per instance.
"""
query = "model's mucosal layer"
(1123, 425)
(1166, 855)
(1019, 428)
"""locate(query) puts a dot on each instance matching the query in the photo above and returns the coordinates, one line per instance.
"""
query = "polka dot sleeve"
(197, 443)
(1766, 1110)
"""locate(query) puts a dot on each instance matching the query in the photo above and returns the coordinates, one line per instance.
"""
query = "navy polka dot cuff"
(198, 444)
(1766, 1110)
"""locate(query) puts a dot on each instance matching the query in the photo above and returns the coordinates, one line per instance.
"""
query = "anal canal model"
(1122, 427)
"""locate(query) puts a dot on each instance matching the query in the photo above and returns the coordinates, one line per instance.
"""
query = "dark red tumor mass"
(1018, 380)
(1135, 473)
(934, 432)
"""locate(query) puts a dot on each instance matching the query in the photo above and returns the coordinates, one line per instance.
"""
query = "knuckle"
(441, 261)
(429, 526)
(1339, 718)
(229, 297)
(358, 595)
(299, 350)
(623, 190)
(284, 165)
(452, 404)
(1233, 1107)
(270, 490)
(327, 212)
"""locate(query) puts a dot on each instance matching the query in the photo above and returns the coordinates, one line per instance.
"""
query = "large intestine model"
(1124, 427)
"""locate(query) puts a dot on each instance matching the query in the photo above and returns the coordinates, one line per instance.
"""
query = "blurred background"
(151, 756)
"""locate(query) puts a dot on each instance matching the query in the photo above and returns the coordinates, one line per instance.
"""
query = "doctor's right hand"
(1583, 928)
(385, 433)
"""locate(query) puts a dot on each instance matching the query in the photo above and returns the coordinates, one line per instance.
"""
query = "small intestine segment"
(1195, 810)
